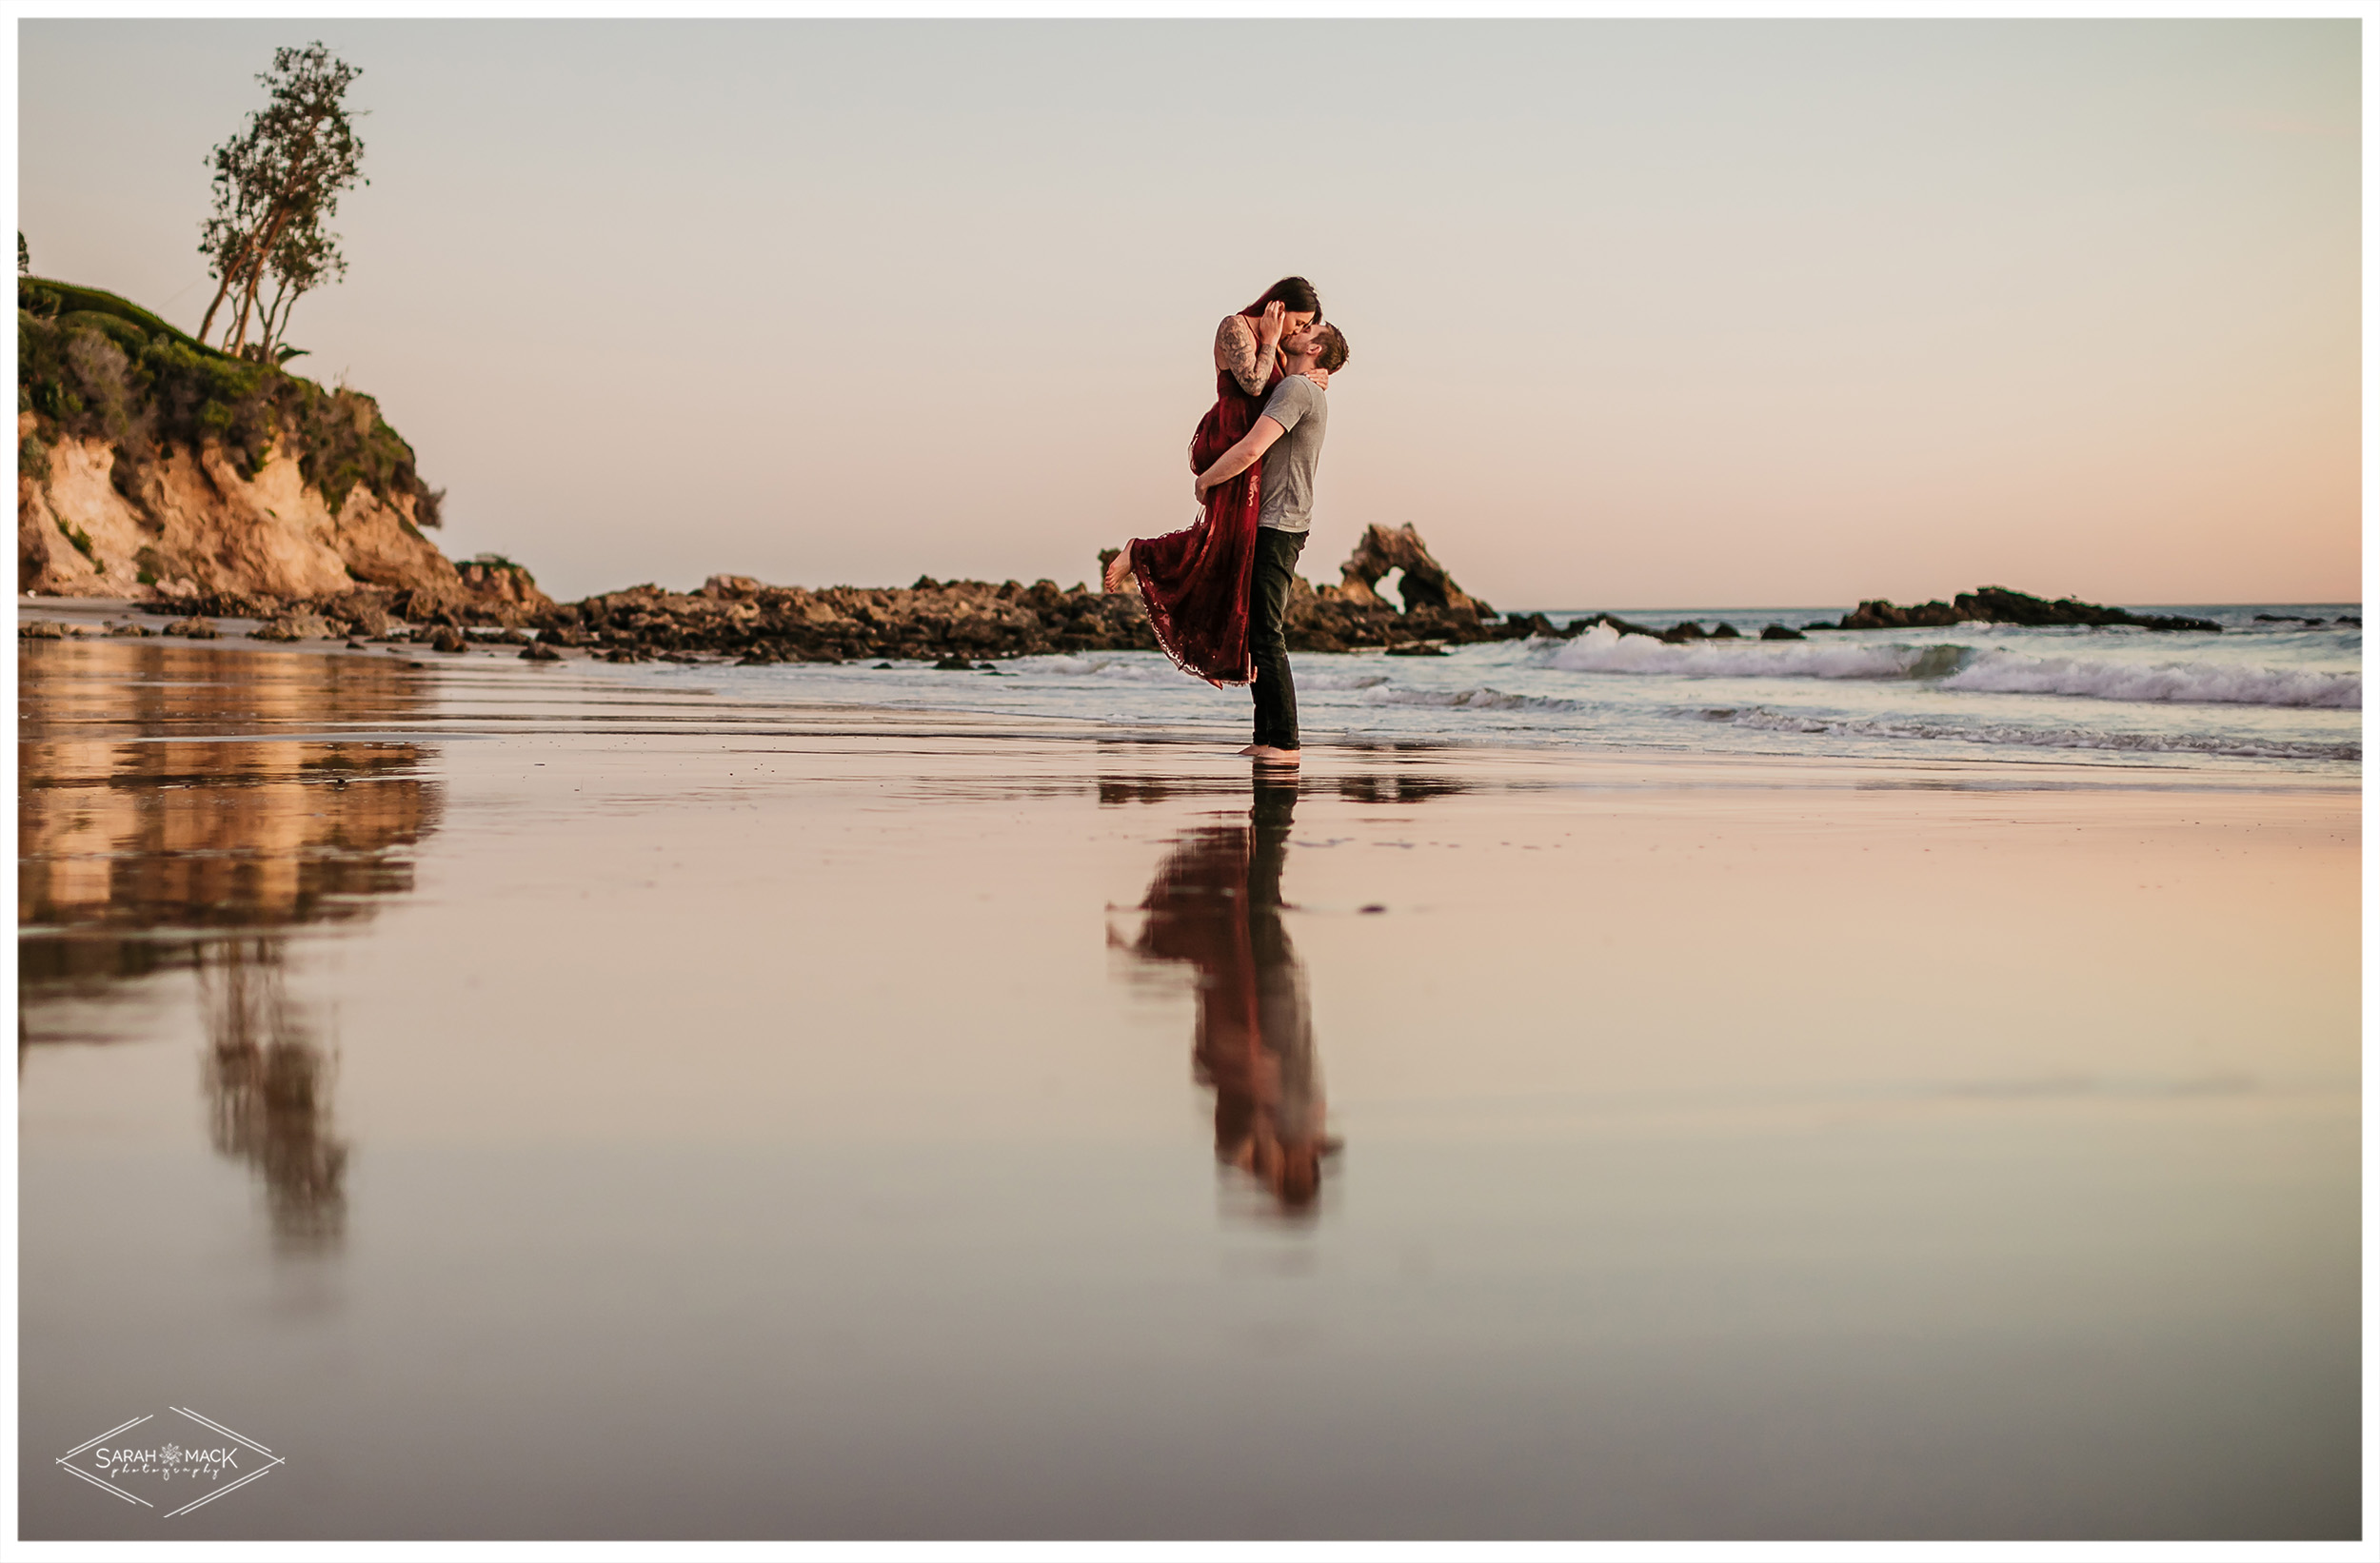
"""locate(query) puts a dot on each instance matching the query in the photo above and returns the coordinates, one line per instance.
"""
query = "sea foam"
(1603, 649)
(2011, 673)
(1764, 719)
(1482, 699)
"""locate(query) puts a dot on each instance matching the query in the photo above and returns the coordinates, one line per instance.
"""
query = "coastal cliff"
(152, 467)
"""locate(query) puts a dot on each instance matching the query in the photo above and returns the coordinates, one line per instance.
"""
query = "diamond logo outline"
(272, 1461)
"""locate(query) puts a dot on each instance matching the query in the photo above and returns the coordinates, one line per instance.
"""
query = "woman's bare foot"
(1119, 574)
(1268, 754)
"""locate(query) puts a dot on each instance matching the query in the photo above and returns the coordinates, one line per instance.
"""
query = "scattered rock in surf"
(538, 651)
(448, 639)
(2000, 605)
(293, 627)
(1778, 632)
(194, 629)
(1675, 635)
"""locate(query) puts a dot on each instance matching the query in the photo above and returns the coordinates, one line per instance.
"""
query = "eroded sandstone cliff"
(152, 467)
(187, 523)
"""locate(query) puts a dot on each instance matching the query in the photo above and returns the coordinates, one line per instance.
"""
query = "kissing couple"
(1216, 589)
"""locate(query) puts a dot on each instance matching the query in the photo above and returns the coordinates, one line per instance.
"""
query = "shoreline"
(739, 688)
(484, 657)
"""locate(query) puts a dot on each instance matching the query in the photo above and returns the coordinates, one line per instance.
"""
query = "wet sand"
(540, 1105)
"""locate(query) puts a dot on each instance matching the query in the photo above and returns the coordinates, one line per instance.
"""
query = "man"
(1216, 904)
(1288, 437)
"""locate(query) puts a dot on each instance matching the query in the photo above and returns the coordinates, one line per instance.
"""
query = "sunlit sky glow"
(1643, 313)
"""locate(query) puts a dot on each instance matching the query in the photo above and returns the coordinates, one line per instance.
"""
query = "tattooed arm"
(1241, 353)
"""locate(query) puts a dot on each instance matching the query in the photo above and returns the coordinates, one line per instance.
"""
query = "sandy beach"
(650, 907)
(551, 1103)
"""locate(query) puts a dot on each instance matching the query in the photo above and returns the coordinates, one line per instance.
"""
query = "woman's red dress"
(1196, 581)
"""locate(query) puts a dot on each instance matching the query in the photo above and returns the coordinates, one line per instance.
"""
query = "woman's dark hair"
(1295, 293)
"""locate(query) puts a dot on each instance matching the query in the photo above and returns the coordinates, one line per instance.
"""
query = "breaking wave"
(1130, 666)
(1472, 699)
(1762, 719)
(1603, 649)
(2009, 673)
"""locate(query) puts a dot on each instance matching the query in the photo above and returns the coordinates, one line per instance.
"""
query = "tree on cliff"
(275, 187)
(306, 258)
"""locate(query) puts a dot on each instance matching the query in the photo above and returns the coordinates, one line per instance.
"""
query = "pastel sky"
(1642, 313)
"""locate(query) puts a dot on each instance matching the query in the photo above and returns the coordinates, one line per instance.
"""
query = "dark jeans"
(1268, 597)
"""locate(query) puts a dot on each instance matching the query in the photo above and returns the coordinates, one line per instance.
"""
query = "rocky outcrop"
(496, 585)
(953, 623)
(2000, 605)
(376, 613)
(2349, 620)
(152, 467)
(1986, 604)
(1425, 585)
(739, 616)
(1334, 619)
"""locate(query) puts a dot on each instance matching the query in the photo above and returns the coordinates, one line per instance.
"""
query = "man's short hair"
(1334, 355)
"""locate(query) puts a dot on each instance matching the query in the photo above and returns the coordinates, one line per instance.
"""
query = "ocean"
(2265, 693)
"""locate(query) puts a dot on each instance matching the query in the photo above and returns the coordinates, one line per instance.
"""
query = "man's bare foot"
(1266, 753)
(1119, 574)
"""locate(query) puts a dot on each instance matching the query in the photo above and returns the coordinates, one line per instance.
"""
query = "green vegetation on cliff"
(95, 365)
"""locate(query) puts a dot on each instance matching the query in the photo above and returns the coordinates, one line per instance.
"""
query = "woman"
(1215, 905)
(1196, 581)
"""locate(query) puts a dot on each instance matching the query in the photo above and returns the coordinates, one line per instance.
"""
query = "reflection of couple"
(1217, 590)
(1216, 904)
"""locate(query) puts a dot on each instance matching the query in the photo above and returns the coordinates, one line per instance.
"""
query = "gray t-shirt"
(1297, 406)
